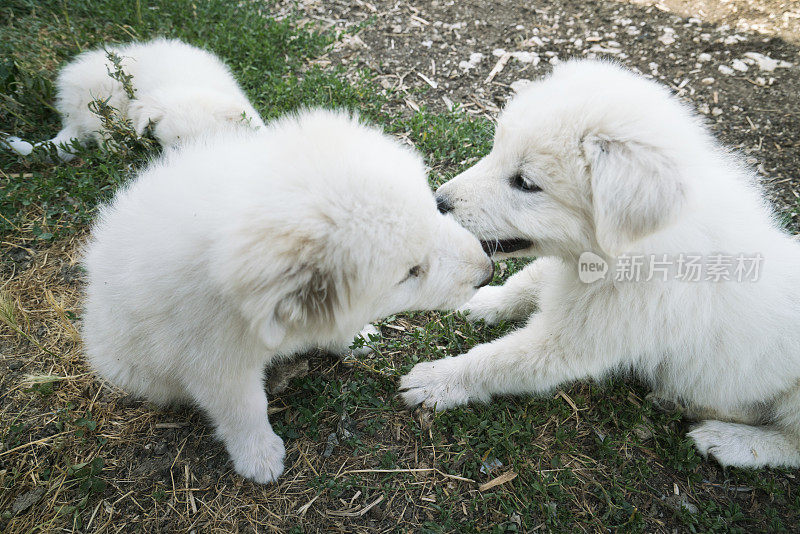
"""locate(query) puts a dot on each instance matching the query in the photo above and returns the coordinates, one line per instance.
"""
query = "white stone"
(536, 41)
(733, 39)
(604, 50)
(526, 57)
(667, 39)
(474, 59)
(724, 69)
(739, 65)
(704, 57)
(766, 63)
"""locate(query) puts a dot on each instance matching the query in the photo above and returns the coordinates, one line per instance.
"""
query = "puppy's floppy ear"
(636, 190)
(311, 298)
(281, 280)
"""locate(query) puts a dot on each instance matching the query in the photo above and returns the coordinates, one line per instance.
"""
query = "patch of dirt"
(780, 18)
(441, 53)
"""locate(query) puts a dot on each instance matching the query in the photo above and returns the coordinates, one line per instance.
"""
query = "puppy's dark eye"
(414, 272)
(518, 181)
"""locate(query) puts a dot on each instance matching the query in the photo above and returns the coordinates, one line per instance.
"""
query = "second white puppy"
(183, 90)
(239, 250)
(701, 296)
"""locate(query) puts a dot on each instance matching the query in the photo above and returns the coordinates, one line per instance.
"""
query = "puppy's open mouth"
(505, 245)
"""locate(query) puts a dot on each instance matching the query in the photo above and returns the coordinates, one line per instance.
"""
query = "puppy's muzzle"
(489, 276)
(443, 203)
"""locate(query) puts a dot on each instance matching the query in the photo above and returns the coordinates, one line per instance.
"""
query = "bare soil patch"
(441, 53)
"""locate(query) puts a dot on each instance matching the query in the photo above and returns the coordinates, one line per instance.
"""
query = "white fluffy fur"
(243, 248)
(625, 167)
(183, 90)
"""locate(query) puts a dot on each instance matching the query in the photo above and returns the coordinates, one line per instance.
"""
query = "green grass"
(609, 463)
(450, 142)
(268, 57)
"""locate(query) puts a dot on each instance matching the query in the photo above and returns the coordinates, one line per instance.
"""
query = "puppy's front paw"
(259, 458)
(727, 443)
(437, 384)
(366, 332)
(489, 304)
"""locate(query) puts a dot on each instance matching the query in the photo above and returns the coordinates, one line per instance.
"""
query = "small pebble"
(739, 65)
(330, 444)
(667, 39)
(26, 500)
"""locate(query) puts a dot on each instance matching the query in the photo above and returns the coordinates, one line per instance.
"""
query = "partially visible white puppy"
(183, 90)
(238, 250)
(595, 159)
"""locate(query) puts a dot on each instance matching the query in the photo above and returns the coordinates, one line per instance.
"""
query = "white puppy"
(598, 160)
(241, 249)
(183, 90)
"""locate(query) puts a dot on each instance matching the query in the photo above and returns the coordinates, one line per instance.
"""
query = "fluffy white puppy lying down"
(595, 159)
(238, 250)
(183, 90)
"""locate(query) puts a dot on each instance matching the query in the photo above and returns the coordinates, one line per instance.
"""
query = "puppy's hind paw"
(435, 385)
(731, 444)
(260, 460)
(21, 147)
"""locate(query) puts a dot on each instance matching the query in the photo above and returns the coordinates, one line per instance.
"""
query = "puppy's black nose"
(443, 204)
(490, 275)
